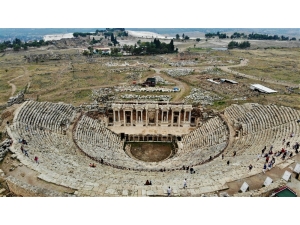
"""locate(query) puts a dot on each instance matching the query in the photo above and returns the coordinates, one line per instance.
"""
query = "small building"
(105, 51)
(261, 88)
(229, 81)
(284, 192)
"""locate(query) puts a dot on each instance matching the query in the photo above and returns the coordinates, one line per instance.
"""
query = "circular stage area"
(150, 151)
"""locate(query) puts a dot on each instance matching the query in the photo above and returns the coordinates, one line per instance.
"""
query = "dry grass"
(71, 80)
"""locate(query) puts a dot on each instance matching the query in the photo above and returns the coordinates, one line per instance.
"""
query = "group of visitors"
(191, 169)
(25, 152)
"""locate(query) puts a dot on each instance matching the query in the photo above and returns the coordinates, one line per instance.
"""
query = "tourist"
(101, 161)
(291, 155)
(234, 153)
(192, 170)
(210, 158)
(184, 183)
(264, 168)
(288, 144)
(36, 159)
(22, 149)
(169, 190)
(26, 153)
(271, 148)
(270, 166)
(263, 151)
(228, 162)
(147, 182)
(222, 156)
(283, 141)
(284, 155)
(267, 159)
(273, 160)
(258, 156)
(187, 169)
(183, 167)
(270, 152)
(92, 165)
(150, 183)
(250, 167)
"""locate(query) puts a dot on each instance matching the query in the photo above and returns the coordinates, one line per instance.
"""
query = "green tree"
(171, 46)
(198, 39)
(182, 36)
(112, 38)
(177, 36)
(16, 47)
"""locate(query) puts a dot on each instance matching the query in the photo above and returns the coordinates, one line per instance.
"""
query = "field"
(71, 77)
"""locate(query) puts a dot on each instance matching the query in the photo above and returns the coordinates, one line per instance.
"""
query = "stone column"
(146, 117)
(184, 116)
(179, 118)
(162, 116)
(119, 118)
(124, 117)
(190, 112)
(156, 117)
(131, 119)
(114, 116)
(172, 117)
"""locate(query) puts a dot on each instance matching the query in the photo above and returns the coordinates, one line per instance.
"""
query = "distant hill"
(26, 34)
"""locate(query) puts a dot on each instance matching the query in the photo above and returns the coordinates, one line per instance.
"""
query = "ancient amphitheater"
(66, 141)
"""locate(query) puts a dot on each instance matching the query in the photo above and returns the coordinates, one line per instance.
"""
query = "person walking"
(264, 168)
(250, 167)
(263, 151)
(228, 162)
(169, 190)
(26, 153)
(184, 183)
(270, 166)
(36, 159)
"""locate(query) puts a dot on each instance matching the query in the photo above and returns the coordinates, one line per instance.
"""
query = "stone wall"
(19, 98)
(4, 148)
(264, 191)
(26, 190)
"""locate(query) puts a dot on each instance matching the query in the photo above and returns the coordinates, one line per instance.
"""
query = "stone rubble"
(178, 72)
(19, 98)
(183, 63)
(200, 96)
(143, 97)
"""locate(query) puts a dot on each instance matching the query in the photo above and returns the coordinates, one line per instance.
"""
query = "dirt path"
(184, 88)
(13, 86)
(244, 62)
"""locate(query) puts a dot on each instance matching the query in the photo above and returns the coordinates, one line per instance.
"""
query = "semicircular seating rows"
(62, 164)
(100, 143)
